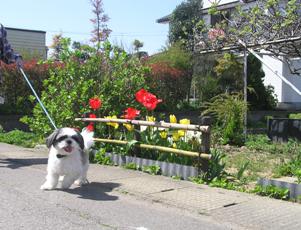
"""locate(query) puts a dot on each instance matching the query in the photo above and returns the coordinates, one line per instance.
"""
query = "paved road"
(99, 205)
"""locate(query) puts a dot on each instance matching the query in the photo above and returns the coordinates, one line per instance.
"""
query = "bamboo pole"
(159, 148)
(160, 124)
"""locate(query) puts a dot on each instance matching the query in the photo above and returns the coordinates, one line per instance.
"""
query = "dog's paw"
(81, 182)
(46, 186)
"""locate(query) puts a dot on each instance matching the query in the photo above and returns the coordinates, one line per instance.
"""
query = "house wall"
(28, 42)
(287, 97)
(290, 97)
(271, 78)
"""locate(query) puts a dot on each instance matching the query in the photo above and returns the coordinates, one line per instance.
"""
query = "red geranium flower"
(147, 99)
(90, 127)
(95, 103)
(92, 115)
(131, 113)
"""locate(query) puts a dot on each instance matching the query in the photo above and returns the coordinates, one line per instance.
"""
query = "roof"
(26, 30)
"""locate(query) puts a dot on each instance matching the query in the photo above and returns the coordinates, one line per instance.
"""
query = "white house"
(28, 42)
(288, 97)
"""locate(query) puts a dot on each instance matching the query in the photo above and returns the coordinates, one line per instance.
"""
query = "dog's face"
(65, 140)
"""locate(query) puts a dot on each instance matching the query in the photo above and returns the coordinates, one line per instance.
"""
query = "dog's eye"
(61, 138)
(75, 138)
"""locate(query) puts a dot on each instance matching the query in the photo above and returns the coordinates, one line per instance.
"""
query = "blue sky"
(129, 19)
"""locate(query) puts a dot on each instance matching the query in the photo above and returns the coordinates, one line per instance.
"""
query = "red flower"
(131, 113)
(92, 115)
(90, 127)
(151, 101)
(147, 99)
(95, 103)
(140, 95)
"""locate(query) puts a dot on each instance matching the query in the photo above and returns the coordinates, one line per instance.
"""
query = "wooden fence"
(203, 154)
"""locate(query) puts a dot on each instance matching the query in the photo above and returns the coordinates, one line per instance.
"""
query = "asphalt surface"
(117, 198)
(99, 205)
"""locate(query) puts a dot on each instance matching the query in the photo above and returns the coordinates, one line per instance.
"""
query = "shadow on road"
(15, 163)
(95, 191)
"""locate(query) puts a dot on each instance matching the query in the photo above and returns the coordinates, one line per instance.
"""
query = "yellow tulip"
(172, 118)
(175, 136)
(129, 127)
(163, 134)
(150, 118)
(181, 133)
(115, 125)
(185, 121)
(174, 145)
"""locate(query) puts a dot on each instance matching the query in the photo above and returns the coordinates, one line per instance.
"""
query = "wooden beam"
(160, 124)
(159, 148)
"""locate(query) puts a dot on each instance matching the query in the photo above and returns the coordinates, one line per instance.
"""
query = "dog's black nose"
(69, 142)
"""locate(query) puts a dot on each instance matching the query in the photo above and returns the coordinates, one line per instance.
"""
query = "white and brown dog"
(68, 157)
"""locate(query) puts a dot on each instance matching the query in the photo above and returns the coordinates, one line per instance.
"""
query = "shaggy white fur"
(68, 157)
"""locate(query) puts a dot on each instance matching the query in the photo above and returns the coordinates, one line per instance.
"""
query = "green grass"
(20, 138)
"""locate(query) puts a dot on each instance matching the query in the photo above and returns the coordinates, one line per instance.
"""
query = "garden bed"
(166, 168)
(284, 183)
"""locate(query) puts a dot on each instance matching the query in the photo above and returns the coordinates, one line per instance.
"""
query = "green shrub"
(132, 166)
(112, 75)
(101, 158)
(152, 169)
(271, 191)
(217, 165)
(229, 111)
(17, 137)
(15, 89)
(170, 76)
(295, 116)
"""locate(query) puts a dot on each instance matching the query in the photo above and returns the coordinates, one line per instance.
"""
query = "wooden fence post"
(205, 145)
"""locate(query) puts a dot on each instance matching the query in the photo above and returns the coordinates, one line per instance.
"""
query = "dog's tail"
(88, 138)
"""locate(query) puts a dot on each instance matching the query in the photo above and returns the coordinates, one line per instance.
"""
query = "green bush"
(229, 111)
(295, 116)
(111, 75)
(20, 138)
(101, 158)
(15, 89)
(272, 191)
(170, 76)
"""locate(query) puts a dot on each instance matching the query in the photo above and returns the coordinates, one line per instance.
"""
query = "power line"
(119, 34)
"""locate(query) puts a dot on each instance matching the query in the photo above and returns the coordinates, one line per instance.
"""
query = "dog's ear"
(52, 138)
(80, 140)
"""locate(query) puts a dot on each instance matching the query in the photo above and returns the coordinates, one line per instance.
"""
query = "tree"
(137, 45)
(183, 21)
(229, 72)
(260, 97)
(101, 31)
(271, 25)
(56, 46)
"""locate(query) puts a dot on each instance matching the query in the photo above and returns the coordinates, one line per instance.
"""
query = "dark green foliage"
(260, 97)
(229, 111)
(183, 21)
(229, 71)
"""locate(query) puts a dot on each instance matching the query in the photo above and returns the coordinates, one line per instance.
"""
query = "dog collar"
(60, 156)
